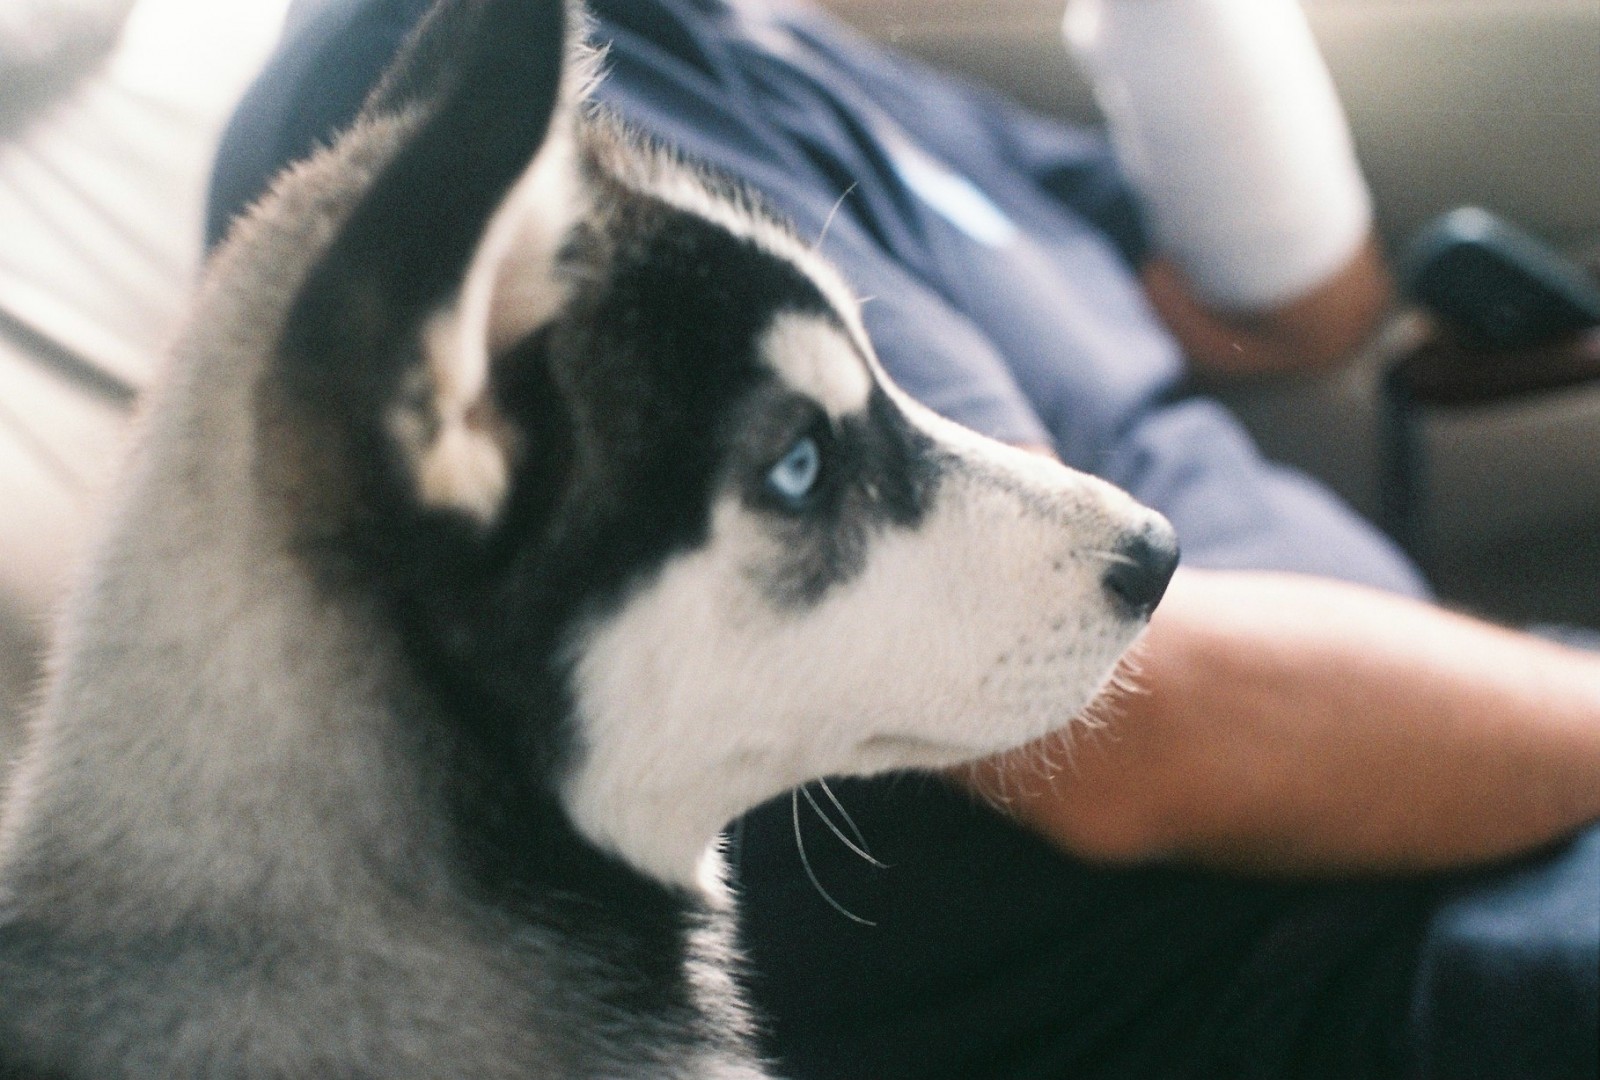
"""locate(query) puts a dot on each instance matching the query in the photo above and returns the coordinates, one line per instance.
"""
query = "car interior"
(1481, 456)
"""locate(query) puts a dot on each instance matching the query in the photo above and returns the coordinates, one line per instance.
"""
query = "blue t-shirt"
(996, 250)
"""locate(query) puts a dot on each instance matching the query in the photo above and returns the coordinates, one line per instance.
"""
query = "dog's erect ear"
(451, 253)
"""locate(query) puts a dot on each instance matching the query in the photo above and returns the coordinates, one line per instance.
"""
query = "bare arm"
(1309, 334)
(1288, 724)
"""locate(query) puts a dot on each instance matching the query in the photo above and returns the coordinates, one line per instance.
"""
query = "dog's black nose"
(1142, 568)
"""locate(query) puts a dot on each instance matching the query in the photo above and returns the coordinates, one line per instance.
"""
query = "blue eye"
(793, 478)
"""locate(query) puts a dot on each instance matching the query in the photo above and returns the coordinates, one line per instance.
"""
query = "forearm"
(1314, 332)
(1290, 724)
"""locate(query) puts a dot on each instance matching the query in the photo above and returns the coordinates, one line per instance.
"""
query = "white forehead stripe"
(815, 357)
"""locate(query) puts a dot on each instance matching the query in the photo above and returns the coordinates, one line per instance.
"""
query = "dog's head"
(614, 448)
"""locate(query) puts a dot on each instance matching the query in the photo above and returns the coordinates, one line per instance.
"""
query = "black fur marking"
(425, 68)
(877, 471)
(349, 337)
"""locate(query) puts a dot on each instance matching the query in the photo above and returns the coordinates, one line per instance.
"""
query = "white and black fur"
(467, 581)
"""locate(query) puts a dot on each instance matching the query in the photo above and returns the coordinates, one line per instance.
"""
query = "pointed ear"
(451, 253)
(511, 287)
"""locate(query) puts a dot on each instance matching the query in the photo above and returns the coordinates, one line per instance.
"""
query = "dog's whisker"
(1107, 556)
(858, 846)
(848, 820)
(833, 213)
(811, 875)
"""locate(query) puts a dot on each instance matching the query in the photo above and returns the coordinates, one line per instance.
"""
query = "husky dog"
(521, 506)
